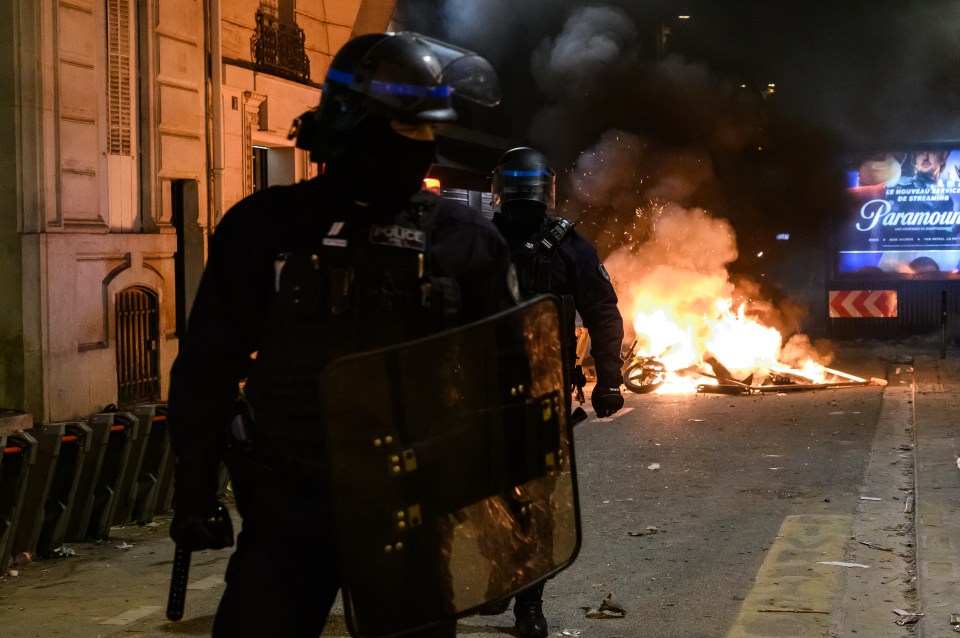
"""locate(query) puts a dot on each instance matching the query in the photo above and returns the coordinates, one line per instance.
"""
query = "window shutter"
(118, 82)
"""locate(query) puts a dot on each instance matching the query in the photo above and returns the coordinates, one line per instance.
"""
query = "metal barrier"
(156, 464)
(111, 438)
(51, 486)
(18, 452)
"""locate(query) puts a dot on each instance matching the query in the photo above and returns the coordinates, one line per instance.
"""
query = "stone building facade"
(130, 127)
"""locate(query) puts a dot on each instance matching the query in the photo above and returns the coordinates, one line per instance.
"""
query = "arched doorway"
(138, 332)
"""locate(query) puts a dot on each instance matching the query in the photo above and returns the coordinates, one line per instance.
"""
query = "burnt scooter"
(642, 373)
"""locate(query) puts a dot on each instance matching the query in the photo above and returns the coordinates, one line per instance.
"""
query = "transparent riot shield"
(452, 470)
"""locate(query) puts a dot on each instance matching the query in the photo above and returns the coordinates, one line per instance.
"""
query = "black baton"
(178, 583)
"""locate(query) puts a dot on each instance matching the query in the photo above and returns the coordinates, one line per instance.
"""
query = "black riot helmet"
(523, 174)
(401, 76)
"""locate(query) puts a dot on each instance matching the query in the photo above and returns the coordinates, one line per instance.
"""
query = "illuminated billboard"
(903, 216)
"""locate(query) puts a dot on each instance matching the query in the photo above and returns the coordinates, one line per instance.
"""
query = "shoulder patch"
(513, 284)
(603, 272)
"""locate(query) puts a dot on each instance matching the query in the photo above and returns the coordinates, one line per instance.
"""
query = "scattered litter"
(840, 563)
(152, 524)
(653, 466)
(13, 572)
(793, 610)
(124, 545)
(63, 552)
(908, 505)
(870, 498)
(647, 532)
(610, 605)
(907, 617)
(608, 608)
(22, 559)
(696, 420)
(954, 619)
(776, 468)
(875, 546)
(570, 632)
(906, 447)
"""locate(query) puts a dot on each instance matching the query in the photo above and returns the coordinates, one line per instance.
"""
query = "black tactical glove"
(606, 400)
(194, 532)
(200, 521)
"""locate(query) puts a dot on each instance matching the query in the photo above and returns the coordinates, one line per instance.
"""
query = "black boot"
(528, 609)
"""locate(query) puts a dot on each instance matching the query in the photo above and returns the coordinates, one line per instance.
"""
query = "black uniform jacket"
(227, 320)
(576, 271)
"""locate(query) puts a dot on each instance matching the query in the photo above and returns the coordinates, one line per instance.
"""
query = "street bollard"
(157, 462)
(47, 489)
(18, 452)
(111, 441)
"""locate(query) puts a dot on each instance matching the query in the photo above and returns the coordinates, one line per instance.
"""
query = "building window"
(118, 77)
(278, 44)
(138, 354)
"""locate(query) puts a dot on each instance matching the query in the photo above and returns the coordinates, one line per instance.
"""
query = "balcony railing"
(278, 49)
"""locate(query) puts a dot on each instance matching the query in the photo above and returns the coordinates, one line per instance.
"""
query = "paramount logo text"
(878, 212)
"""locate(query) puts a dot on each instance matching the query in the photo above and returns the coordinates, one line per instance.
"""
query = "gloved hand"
(200, 521)
(606, 400)
(195, 532)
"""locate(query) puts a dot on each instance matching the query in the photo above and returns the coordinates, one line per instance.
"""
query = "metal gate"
(138, 332)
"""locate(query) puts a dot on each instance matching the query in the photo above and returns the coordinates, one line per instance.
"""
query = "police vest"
(364, 284)
(536, 271)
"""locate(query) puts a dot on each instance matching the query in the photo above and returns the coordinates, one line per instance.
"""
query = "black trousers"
(282, 580)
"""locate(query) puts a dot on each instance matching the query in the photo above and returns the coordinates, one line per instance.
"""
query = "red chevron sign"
(863, 303)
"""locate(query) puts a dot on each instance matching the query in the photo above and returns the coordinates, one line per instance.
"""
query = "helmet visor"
(413, 77)
(466, 73)
(533, 185)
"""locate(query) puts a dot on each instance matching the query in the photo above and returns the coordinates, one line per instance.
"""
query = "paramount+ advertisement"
(903, 216)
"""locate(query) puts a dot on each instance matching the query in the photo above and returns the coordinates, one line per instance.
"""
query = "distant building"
(130, 128)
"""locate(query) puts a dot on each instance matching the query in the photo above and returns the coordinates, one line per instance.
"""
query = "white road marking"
(132, 615)
(619, 414)
(207, 583)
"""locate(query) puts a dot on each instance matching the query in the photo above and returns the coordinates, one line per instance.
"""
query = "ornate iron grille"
(138, 332)
(279, 49)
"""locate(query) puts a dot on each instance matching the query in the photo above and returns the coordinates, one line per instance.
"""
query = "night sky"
(629, 127)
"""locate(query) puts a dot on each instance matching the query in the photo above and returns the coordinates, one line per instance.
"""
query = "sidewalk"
(936, 411)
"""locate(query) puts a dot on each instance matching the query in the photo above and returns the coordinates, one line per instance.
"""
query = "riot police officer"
(299, 275)
(551, 257)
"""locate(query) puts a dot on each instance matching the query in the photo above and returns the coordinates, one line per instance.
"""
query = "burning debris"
(694, 329)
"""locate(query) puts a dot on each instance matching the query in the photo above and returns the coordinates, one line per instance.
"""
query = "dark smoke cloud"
(631, 132)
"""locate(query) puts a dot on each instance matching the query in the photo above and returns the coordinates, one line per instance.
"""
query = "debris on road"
(608, 608)
(793, 610)
(647, 532)
(653, 466)
(124, 545)
(870, 498)
(908, 505)
(840, 563)
(612, 606)
(907, 617)
(62, 552)
(875, 546)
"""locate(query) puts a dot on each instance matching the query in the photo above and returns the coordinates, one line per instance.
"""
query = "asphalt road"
(702, 515)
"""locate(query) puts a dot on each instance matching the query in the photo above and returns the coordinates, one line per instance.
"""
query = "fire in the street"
(687, 314)
(726, 344)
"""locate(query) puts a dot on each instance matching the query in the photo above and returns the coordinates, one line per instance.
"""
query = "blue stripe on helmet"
(409, 90)
(339, 76)
(526, 173)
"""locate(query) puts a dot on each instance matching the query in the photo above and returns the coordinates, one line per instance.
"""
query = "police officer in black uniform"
(551, 257)
(299, 275)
